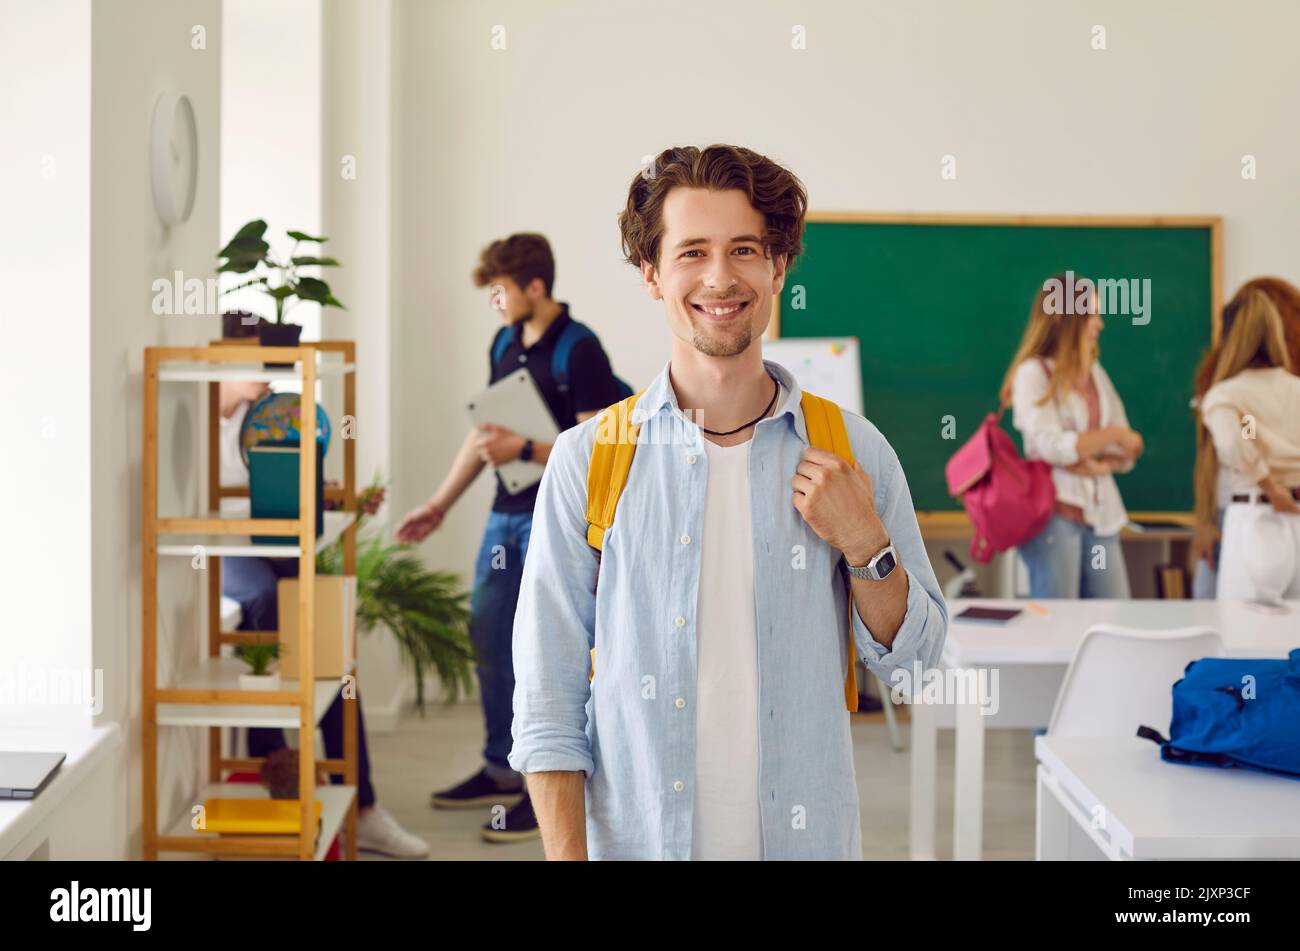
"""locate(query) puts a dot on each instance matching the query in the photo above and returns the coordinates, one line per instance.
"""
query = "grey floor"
(443, 747)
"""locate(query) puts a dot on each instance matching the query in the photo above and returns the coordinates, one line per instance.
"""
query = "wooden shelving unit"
(209, 694)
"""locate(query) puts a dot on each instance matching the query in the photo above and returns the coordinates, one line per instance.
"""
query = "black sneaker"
(479, 790)
(517, 825)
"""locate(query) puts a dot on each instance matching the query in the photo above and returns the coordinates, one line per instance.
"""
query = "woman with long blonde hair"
(1070, 416)
(1212, 479)
(1251, 415)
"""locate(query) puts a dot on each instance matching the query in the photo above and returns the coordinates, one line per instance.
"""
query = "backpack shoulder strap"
(572, 334)
(825, 423)
(500, 343)
(611, 460)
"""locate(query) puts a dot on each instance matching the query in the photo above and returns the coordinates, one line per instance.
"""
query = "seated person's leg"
(331, 726)
(251, 582)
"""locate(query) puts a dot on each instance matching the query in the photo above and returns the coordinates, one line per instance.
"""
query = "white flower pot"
(259, 682)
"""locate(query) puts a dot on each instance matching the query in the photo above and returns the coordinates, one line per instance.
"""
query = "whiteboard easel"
(827, 366)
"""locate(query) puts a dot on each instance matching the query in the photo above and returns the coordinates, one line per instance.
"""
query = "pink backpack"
(1008, 499)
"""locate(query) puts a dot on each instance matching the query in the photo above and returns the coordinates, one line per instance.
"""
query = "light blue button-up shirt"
(635, 604)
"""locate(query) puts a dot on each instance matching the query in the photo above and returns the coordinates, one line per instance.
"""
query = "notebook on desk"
(23, 775)
(980, 615)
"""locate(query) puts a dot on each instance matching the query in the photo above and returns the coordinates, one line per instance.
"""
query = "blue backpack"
(1242, 712)
(572, 335)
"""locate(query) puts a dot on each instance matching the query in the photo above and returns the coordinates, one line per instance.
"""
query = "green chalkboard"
(939, 308)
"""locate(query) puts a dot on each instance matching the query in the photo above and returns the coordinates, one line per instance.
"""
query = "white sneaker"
(377, 831)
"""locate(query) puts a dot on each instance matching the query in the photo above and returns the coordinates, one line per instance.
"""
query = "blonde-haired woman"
(1214, 480)
(1070, 416)
(1252, 415)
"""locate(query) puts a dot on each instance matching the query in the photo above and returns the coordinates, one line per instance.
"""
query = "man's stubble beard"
(726, 347)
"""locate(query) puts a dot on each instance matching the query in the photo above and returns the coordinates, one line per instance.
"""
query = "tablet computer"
(516, 403)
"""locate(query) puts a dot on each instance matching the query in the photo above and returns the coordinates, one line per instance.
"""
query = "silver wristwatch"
(878, 568)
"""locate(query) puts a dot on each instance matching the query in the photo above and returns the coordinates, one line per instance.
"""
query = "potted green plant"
(259, 657)
(427, 611)
(249, 253)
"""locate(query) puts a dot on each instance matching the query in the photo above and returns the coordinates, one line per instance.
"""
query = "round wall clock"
(173, 157)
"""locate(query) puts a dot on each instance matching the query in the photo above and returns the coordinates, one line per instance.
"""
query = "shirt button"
(679, 785)
(686, 539)
(523, 358)
(680, 703)
(679, 621)
(690, 458)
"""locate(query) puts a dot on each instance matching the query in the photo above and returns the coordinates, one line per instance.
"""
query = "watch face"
(885, 564)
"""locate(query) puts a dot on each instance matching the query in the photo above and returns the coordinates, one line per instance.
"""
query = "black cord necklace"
(776, 389)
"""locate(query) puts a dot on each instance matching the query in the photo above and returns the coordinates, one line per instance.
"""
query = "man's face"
(713, 276)
(513, 303)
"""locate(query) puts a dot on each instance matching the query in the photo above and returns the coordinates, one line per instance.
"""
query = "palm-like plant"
(427, 611)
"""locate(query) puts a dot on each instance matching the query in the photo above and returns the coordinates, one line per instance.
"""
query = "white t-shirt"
(233, 470)
(727, 822)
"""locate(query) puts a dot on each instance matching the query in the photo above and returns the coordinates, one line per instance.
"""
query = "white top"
(1051, 433)
(233, 470)
(727, 823)
(1254, 419)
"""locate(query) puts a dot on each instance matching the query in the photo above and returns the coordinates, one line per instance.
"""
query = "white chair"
(1120, 678)
(873, 684)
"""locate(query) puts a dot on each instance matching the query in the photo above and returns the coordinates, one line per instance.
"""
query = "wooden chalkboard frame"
(944, 525)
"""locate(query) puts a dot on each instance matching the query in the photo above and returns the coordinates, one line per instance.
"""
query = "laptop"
(23, 775)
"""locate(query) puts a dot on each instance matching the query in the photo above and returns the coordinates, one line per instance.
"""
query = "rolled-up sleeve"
(555, 621)
(925, 625)
(1039, 426)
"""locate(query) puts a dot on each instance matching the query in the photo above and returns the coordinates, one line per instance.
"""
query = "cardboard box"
(335, 622)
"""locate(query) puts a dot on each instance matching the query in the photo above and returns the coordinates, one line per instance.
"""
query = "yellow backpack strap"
(825, 425)
(611, 460)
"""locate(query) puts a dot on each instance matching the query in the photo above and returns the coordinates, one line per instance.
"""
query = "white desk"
(1030, 655)
(75, 815)
(1118, 793)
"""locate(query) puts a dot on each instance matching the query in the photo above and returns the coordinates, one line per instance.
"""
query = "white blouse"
(1271, 446)
(1050, 432)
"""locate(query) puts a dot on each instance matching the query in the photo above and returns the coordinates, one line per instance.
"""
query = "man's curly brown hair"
(773, 191)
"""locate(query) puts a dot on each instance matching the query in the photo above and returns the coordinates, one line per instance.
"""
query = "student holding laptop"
(1252, 414)
(1070, 415)
(519, 270)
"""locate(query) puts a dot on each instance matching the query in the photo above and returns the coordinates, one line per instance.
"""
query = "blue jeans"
(1205, 580)
(497, 573)
(1060, 560)
(252, 582)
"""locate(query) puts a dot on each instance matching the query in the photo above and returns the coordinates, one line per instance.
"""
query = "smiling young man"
(714, 726)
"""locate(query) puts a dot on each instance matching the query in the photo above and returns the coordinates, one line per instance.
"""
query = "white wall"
(270, 134)
(546, 134)
(357, 206)
(78, 264)
(45, 379)
(139, 49)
